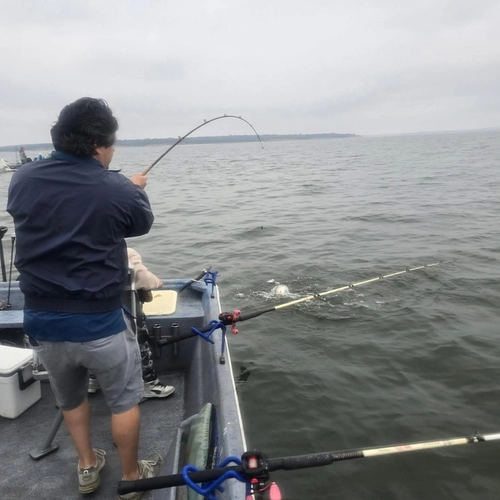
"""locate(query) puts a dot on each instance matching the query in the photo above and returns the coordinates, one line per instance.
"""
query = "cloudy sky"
(287, 66)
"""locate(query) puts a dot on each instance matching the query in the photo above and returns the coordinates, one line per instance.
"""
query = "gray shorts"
(114, 360)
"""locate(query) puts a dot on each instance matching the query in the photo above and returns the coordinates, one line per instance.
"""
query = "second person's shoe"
(155, 389)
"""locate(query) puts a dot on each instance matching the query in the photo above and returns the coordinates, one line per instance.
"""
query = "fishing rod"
(205, 122)
(255, 467)
(228, 318)
(340, 289)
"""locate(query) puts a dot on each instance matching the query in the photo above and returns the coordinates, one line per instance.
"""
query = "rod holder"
(174, 332)
(157, 337)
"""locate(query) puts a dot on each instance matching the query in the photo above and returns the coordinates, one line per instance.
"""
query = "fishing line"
(206, 122)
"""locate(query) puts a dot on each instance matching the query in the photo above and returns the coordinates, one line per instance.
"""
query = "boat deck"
(192, 366)
(54, 476)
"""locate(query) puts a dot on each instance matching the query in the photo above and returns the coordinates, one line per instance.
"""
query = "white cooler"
(18, 389)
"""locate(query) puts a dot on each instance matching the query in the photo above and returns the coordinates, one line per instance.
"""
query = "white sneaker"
(155, 389)
(147, 469)
(88, 479)
(93, 384)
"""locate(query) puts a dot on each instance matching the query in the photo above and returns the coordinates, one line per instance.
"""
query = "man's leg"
(126, 428)
(116, 362)
(78, 424)
(68, 382)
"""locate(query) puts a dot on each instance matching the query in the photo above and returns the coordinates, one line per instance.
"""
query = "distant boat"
(8, 166)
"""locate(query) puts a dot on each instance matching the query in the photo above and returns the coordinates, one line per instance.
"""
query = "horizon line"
(252, 138)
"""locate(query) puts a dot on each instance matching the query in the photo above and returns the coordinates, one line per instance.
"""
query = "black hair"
(83, 126)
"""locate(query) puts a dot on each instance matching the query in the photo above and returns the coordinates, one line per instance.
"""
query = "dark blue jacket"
(71, 216)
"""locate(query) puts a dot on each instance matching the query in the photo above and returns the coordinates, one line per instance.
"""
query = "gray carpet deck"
(54, 476)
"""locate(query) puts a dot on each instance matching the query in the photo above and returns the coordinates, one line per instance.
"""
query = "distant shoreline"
(250, 138)
(198, 140)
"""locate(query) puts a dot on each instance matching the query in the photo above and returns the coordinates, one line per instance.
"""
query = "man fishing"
(22, 156)
(72, 215)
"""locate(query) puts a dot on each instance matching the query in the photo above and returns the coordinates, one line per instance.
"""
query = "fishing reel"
(253, 470)
(256, 472)
(228, 318)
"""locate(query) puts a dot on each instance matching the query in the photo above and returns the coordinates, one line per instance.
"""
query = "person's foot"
(88, 479)
(147, 469)
(93, 384)
(155, 389)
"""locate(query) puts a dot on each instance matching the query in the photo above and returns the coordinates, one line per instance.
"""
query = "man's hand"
(139, 180)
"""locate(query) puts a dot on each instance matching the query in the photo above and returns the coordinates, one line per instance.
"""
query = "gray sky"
(287, 66)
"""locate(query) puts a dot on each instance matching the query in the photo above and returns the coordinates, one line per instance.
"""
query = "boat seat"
(12, 318)
(162, 303)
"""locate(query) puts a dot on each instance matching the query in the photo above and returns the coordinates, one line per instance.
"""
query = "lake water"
(411, 358)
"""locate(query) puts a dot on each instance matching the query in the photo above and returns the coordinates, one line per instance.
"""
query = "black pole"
(3, 230)
(194, 280)
(13, 240)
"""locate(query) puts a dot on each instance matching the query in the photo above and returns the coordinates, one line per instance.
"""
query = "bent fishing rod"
(206, 122)
(255, 466)
(228, 318)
